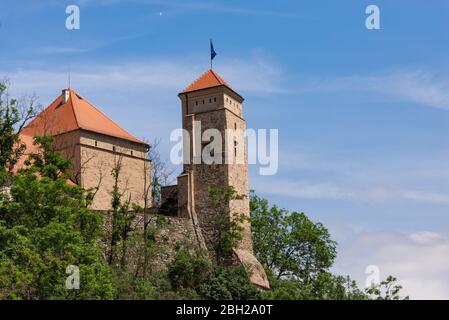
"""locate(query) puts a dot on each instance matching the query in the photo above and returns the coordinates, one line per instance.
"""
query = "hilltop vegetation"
(46, 226)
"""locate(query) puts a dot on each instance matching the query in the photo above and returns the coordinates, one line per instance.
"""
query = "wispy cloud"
(418, 86)
(420, 260)
(332, 191)
(55, 50)
(254, 75)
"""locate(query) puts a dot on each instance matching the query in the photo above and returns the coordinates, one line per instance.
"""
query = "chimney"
(65, 95)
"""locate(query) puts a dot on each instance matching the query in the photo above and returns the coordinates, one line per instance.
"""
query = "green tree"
(289, 245)
(123, 214)
(387, 289)
(227, 225)
(45, 227)
(297, 255)
(189, 270)
(193, 274)
(13, 117)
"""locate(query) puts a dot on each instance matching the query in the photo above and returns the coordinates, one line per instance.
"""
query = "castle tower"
(211, 106)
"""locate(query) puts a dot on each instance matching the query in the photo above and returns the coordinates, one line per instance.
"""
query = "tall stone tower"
(210, 103)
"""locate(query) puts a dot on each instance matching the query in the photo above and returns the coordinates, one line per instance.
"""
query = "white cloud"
(420, 260)
(421, 179)
(426, 237)
(255, 75)
(55, 50)
(332, 191)
(417, 86)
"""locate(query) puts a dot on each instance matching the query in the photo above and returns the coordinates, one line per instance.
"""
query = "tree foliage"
(13, 117)
(227, 225)
(297, 255)
(289, 244)
(44, 228)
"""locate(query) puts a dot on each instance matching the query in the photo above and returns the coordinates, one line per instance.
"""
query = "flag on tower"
(212, 53)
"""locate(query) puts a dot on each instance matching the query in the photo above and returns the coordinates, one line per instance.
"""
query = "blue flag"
(212, 51)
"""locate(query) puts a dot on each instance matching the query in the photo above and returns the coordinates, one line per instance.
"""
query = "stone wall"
(93, 157)
(171, 233)
(99, 155)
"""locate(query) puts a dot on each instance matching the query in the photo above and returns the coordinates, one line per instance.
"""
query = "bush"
(229, 283)
(188, 270)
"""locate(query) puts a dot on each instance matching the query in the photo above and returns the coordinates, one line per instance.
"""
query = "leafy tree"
(289, 245)
(297, 255)
(189, 270)
(227, 225)
(123, 214)
(13, 117)
(229, 283)
(326, 287)
(386, 290)
(44, 228)
(205, 280)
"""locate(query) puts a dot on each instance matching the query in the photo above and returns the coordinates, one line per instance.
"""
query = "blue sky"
(363, 115)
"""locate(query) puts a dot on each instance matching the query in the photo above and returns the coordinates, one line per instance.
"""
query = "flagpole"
(211, 66)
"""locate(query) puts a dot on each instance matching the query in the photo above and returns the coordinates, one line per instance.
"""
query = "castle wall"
(99, 154)
(237, 176)
(171, 234)
(94, 156)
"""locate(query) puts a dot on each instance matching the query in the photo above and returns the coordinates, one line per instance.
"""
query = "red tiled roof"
(209, 79)
(77, 113)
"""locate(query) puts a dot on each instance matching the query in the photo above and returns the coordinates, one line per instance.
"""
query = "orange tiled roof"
(77, 113)
(209, 79)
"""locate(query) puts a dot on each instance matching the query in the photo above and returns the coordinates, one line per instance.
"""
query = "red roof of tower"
(75, 114)
(209, 79)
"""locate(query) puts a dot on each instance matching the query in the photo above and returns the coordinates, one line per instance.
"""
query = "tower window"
(210, 100)
(196, 103)
(215, 99)
(235, 125)
(203, 101)
(113, 148)
(235, 148)
(96, 143)
(132, 153)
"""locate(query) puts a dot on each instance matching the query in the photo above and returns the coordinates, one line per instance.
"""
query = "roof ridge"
(196, 80)
(104, 115)
(75, 112)
(219, 79)
(208, 79)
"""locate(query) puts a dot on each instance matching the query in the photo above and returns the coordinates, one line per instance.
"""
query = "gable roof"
(208, 79)
(76, 114)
